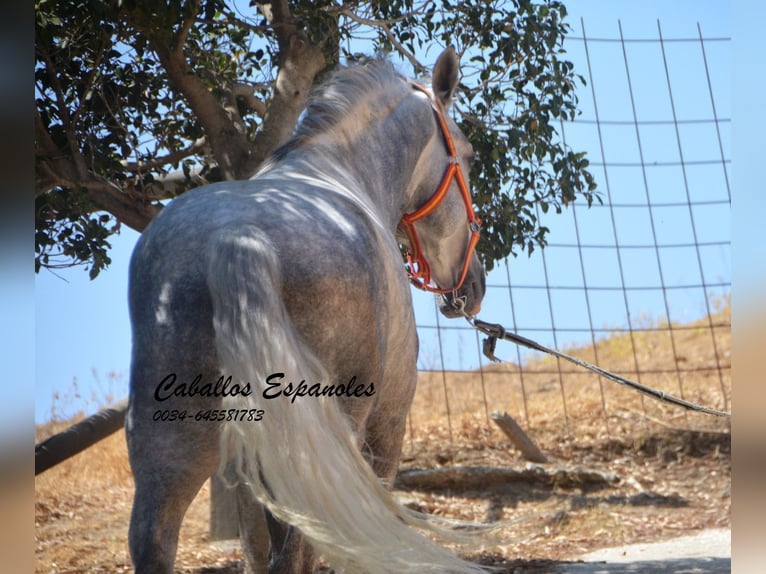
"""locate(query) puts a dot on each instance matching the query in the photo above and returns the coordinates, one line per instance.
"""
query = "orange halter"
(418, 269)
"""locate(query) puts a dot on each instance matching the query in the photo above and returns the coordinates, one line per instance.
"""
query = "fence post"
(78, 437)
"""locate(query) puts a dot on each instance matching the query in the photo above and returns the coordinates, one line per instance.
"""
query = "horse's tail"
(301, 458)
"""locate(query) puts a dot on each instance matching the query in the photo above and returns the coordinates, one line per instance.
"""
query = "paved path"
(708, 552)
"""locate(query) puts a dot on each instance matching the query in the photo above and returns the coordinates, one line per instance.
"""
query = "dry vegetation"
(673, 466)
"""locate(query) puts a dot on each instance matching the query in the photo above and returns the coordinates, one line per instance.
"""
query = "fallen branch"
(481, 477)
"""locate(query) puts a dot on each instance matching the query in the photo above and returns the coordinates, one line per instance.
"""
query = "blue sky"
(82, 333)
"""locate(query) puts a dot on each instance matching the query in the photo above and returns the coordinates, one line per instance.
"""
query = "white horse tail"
(301, 458)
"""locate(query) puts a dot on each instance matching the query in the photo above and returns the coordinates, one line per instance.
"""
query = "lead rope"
(495, 331)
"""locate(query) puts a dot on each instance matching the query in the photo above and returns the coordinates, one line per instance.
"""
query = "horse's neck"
(377, 167)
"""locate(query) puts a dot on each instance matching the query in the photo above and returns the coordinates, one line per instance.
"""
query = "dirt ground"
(621, 469)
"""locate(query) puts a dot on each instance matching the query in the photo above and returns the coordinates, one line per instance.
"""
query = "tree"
(140, 101)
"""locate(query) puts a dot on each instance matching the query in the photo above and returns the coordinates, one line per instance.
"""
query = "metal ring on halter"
(458, 303)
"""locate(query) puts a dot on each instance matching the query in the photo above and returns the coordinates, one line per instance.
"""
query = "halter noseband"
(418, 269)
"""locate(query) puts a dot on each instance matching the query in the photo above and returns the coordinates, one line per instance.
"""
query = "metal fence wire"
(639, 285)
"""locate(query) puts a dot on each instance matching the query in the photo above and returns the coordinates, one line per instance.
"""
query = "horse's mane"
(335, 98)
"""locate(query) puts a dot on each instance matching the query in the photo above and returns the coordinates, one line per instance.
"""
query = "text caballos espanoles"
(170, 387)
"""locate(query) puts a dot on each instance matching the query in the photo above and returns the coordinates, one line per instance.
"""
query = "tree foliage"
(139, 101)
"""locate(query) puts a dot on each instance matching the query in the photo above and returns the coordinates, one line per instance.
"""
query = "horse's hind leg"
(386, 427)
(253, 531)
(170, 461)
(268, 544)
(290, 553)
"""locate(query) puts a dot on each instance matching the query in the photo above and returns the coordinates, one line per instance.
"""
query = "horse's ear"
(445, 76)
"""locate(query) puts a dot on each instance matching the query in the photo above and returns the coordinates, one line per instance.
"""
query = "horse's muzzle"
(467, 299)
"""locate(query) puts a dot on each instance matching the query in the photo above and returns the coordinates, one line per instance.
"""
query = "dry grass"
(674, 467)
(550, 393)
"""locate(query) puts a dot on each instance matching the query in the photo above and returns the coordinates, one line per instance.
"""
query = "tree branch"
(383, 25)
(280, 18)
(227, 140)
(105, 196)
(56, 170)
(157, 162)
(247, 93)
(172, 185)
(132, 212)
(90, 82)
(225, 131)
(77, 160)
(183, 32)
(54, 163)
(299, 63)
(44, 138)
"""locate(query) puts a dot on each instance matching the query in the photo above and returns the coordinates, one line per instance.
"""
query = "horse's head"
(440, 228)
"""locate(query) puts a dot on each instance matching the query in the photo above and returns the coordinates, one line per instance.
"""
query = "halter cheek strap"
(418, 269)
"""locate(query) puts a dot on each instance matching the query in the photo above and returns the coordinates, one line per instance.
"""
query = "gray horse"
(273, 326)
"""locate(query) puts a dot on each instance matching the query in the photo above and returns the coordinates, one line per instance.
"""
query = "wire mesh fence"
(639, 284)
